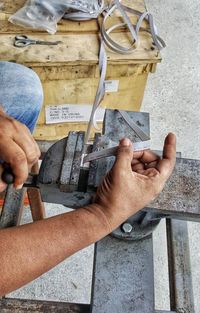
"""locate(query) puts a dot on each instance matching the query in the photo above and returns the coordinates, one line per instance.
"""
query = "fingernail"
(125, 142)
(19, 187)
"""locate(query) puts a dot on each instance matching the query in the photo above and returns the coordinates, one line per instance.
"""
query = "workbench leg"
(180, 276)
(123, 278)
(35, 201)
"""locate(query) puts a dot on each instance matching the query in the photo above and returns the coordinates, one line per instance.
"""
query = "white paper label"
(71, 113)
(111, 85)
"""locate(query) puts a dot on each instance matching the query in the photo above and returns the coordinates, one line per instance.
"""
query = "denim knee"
(21, 93)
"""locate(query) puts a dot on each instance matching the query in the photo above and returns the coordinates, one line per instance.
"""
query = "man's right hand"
(17, 148)
(134, 181)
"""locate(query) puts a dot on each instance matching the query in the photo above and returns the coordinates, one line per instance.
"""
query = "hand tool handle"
(7, 176)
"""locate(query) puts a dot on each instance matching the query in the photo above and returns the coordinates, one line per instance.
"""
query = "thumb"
(124, 153)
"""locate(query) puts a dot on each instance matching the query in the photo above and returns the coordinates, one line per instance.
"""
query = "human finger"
(124, 154)
(2, 183)
(138, 166)
(26, 142)
(146, 156)
(12, 154)
(166, 165)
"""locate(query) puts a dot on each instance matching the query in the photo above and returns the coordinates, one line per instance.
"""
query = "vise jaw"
(62, 177)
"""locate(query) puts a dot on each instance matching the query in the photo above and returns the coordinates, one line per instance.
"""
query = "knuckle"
(19, 158)
(14, 123)
(32, 157)
(38, 152)
(19, 126)
(23, 128)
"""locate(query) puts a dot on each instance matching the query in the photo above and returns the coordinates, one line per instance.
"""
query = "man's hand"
(135, 180)
(17, 148)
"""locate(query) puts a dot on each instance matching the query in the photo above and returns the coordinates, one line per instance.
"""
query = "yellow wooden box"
(69, 71)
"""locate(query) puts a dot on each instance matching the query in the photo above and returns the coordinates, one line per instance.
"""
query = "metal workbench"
(123, 274)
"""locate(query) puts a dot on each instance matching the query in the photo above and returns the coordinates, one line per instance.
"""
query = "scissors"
(23, 41)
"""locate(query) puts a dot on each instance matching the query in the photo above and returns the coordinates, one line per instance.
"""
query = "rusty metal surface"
(73, 200)
(180, 197)
(34, 197)
(123, 276)
(33, 306)
(165, 311)
(13, 202)
(94, 164)
(52, 163)
(68, 161)
(36, 204)
(180, 276)
(75, 172)
(116, 128)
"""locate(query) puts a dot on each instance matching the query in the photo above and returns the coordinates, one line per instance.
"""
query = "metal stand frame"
(123, 276)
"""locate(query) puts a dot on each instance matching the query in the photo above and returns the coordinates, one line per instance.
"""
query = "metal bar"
(165, 311)
(180, 276)
(34, 196)
(68, 161)
(104, 153)
(24, 306)
(94, 164)
(75, 173)
(123, 278)
(36, 204)
(13, 202)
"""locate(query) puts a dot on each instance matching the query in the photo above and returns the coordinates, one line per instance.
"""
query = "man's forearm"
(30, 250)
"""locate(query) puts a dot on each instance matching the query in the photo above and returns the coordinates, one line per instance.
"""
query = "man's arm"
(136, 178)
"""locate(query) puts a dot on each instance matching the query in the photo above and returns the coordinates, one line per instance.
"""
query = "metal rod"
(180, 277)
(13, 202)
(24, 306)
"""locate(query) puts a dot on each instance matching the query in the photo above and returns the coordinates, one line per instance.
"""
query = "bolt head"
(127, 228)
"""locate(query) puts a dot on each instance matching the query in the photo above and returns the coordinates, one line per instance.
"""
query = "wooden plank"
(66, 26)
(75, 49)
(67, 72)
(33, 306)
(10, 7)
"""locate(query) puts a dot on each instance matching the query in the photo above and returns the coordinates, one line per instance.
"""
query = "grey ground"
(172, 98)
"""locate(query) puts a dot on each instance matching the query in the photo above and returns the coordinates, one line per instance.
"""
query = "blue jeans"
(21, 93)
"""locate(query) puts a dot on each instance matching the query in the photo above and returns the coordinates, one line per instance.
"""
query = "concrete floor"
(172, 98)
